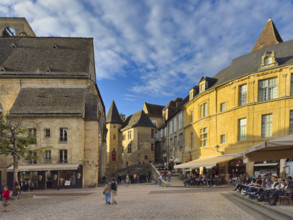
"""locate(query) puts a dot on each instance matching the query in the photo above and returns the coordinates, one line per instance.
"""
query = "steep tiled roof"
(46, 102)
(154, 110)
(179, 107)
(113, 115)
(268, 37)
(138, 119)
(251, 62)
(46, 57)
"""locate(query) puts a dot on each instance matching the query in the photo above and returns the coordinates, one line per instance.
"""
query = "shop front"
(261, 168)
(236, 168)
(48, 176)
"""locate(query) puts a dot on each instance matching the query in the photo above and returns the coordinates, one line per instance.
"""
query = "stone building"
(245, 104)
(129, 142)
(154, 112)
(50, 84)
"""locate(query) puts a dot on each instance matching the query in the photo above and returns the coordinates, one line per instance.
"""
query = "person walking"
(114, 187)
(169, 176)
(17, 187)
(160, 180)
(6, 196)
(165, 174)
(107, 192)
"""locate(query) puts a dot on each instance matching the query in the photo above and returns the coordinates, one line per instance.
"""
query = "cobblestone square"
(136, 201)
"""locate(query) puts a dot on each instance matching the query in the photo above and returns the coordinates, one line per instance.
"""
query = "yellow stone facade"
(142, 146)
(227, 122)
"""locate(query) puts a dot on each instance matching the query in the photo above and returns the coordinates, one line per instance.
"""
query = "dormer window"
(202, 86)
(268, 60)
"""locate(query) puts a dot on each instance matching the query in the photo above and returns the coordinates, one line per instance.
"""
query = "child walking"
(6, 196)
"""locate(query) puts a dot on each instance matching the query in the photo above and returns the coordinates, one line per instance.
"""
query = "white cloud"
(169, 43)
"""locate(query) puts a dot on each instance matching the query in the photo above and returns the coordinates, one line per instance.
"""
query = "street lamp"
(218, 147)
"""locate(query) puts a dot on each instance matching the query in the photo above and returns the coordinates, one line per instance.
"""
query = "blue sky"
(155, 50)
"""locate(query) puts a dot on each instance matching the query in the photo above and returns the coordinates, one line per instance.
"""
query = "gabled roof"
(268, 37)
(113, 115)
(138, 119)
(46, 102)
(46, 57)
(154, 110)
(178, 108)
(251, 62)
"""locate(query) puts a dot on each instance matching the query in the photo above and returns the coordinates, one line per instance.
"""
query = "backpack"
(113, 186)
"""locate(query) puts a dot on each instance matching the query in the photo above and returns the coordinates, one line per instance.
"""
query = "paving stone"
(137, 201)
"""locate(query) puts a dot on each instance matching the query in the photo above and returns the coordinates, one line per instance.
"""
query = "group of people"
(22, 186)
(196, 180)
(265, 189)
(5, 197)
(110, 191)
(132, 178)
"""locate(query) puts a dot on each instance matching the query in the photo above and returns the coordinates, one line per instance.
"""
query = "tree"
(14, 141)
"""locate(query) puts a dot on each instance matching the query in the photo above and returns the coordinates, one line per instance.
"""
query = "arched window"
(8, 32)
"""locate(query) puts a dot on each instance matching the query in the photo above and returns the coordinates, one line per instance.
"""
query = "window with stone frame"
(180, 120)
(223, 139)
(152, 133)
(48, 154)
(146, 157)
(171, 144)
(171, 127)
(47, 133)
(129, 148)
(114, 136)
(33, 157)
(175, 142)
(291, 122)
(175, 124)
(242, 95)
(63, 156)
(152, 147)
(242, 129)
(203, 110)
(267, 89)
(63, 134)
(129, 135)
(203, 137)
(222, 106)
(32, 132)
(266, 125)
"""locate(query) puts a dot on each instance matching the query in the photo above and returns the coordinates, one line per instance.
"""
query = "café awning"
(279, 148)
(208, 161)
(265, 164)
(44, 167)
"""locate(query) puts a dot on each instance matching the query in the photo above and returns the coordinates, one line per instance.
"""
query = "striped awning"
(45, 167)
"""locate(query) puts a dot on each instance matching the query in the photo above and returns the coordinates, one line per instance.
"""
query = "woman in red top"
(6, 196)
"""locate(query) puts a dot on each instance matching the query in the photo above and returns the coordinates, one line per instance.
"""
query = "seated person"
(266, 193)
(279, 191)
(187, 179)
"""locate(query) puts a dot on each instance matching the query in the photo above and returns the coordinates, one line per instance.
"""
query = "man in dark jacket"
(114, 191)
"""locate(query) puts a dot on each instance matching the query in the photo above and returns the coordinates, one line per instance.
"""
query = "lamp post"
(218, 147)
